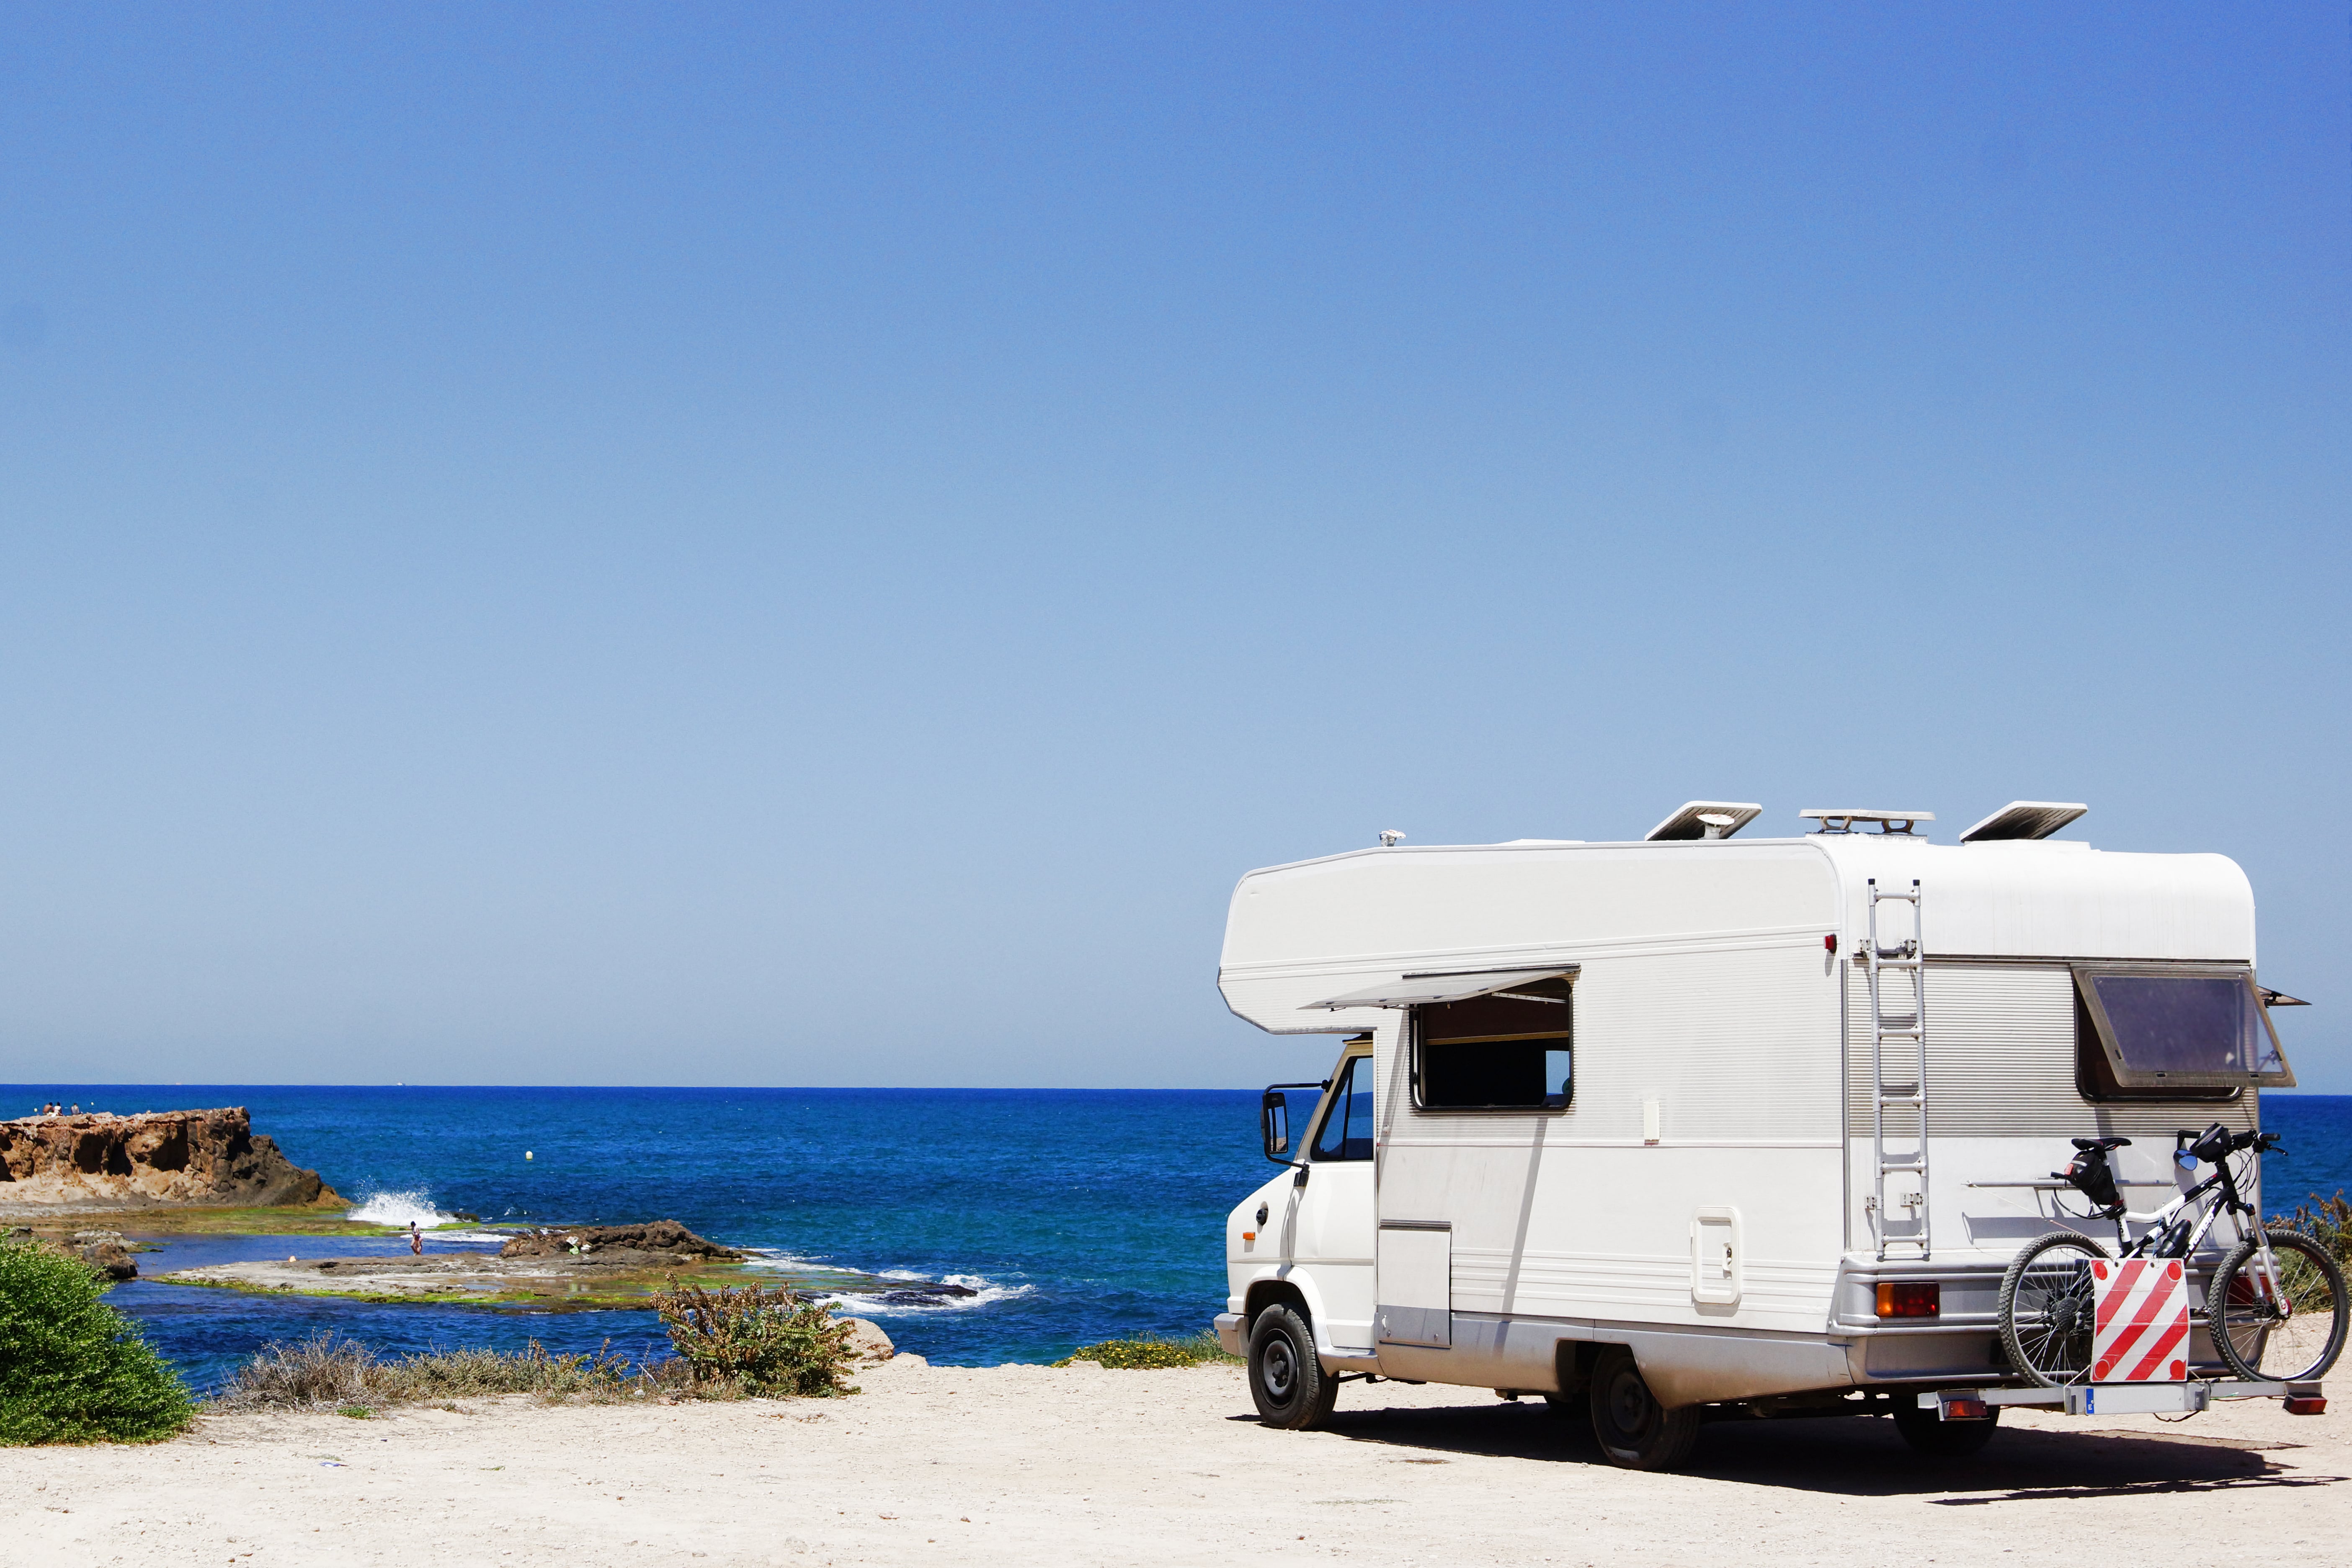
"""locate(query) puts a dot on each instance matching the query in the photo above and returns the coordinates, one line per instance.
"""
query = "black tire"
(1933, 1437)
(1288, 1383)
(2048, 1309)
(2244, 1318)
(1633, 1428)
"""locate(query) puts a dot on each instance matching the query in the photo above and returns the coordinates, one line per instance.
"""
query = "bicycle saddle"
(2087, 1144)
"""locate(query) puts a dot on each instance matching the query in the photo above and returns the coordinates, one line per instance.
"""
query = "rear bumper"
(1229, 1332)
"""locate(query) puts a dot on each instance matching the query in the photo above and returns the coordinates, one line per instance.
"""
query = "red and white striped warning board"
(2142, 1323)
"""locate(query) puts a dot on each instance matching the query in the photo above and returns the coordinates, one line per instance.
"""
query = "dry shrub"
(2327, 1221)
(766, 1341)
(320, 1370)
(325, 1371)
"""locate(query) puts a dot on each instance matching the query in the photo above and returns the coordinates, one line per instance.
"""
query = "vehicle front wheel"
(1633, 1430)
(1289, 1386)
(1933, 1437)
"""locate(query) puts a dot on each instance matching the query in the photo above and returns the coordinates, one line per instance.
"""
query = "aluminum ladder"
(1905, 1027)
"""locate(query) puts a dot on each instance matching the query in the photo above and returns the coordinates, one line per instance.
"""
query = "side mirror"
(1274, 1125)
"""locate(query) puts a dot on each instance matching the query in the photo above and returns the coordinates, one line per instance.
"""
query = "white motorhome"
(1705, 1121)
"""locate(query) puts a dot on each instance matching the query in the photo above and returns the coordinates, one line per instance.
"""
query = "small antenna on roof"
(1390, 838)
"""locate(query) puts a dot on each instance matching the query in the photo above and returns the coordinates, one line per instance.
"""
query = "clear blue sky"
(811, 546)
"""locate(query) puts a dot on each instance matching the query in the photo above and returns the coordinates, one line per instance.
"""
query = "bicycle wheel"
(2047, 1308)
(2291, 1330)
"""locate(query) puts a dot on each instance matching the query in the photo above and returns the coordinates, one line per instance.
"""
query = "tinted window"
(1346, 1132)
(2094, 1074)
(2191, 1028)
(1506, 1052)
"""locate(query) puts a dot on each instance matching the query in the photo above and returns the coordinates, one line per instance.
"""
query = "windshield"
(2184, 1029)
(1346, 1132)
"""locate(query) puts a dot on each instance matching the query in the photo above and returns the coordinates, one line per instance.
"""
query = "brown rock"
(111, 1258)
(209, 1158)
(664, 1240)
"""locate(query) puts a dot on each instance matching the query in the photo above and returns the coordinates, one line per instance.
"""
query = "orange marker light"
(1910, 1298)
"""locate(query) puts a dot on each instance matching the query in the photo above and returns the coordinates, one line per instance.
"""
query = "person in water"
(416, 1239)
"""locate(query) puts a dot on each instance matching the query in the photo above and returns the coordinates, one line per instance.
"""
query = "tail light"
(1910, 1298)
(2306, 1405)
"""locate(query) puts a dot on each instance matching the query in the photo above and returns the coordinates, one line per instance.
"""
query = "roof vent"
(2025, 819)
(1842, 819)
(1705, 819)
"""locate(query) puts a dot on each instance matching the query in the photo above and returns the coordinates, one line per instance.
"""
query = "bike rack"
(2125, 1398)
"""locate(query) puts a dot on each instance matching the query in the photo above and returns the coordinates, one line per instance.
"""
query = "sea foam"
(984, 1293)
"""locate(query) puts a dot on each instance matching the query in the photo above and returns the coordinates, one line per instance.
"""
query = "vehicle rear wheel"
(1289, 1386)
(1933, 1437)
(2270, 1340)
(1633, 1430)
(2048, 1309)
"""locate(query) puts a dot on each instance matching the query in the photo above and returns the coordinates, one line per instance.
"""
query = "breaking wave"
(911, 1297)
(401, 1209)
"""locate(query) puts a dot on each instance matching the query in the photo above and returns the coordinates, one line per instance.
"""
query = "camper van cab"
(1705, 1121)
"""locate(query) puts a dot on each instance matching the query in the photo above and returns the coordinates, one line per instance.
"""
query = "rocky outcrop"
(183, 1158)
(107, 1251)
(622, 1244)
(867, 1341)
(104, 1250)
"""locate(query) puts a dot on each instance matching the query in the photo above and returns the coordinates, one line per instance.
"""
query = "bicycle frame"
(2169, 1233)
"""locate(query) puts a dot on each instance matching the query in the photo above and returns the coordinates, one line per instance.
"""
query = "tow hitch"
(2125, 1399)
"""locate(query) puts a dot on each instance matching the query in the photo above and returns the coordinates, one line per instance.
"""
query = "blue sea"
(1073, 1214)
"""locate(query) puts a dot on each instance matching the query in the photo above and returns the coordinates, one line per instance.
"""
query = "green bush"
(1150, 1353)
(760, 1342)
(72, 1369)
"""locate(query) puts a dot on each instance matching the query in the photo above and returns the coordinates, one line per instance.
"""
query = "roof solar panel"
(2025, 819)
(1691, 820)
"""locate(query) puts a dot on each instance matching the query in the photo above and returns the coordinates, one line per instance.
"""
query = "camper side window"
(1512, 1051)
(2097, 1054)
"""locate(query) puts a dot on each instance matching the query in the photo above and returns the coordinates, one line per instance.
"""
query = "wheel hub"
(1629, 1402)
(1279, 1369)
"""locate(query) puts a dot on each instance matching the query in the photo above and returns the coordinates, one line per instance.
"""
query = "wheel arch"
(1264, 1293)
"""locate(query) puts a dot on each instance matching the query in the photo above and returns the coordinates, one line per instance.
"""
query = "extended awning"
(1430, 990)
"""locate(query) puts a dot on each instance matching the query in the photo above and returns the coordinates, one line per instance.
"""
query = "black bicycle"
(2274, 1308)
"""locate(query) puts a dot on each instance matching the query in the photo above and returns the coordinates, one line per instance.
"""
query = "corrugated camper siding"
(1731, 1042)
(2000, 1060)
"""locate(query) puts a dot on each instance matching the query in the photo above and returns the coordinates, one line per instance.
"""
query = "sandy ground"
(1029, 1464)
